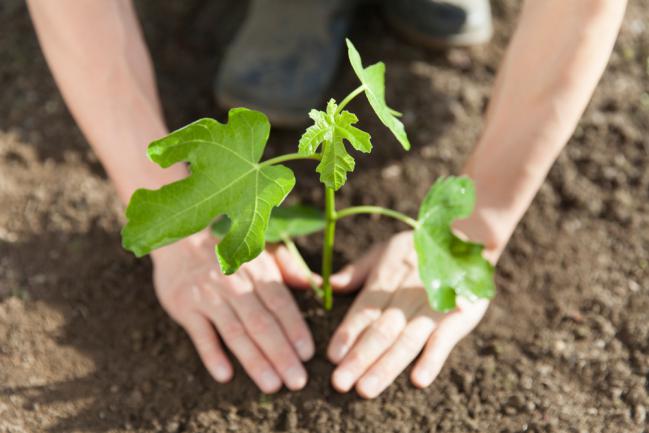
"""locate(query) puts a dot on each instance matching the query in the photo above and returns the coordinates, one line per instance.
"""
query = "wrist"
(186, 246)
(139, 172)
(507, 171)
(490, 232)
(498, 206)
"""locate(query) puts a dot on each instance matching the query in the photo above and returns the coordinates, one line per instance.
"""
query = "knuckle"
(204, 344)
(175, 303)
(383, 332)
(209, 296)
(256, 365)
(232, 289)
(410, 342)
(279, 304)
(369, 315)
(233, 330)
(259, 322)
(344, 336)
(357, 358)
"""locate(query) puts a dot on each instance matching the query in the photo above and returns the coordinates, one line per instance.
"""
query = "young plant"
(230, 180)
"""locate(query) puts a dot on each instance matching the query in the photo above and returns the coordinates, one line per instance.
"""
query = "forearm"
(547, 77)
(99, 59)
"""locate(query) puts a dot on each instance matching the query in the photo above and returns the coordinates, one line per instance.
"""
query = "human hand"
(252, 311)
(391, 322)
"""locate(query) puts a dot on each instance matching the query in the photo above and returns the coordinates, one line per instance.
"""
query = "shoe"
(284, 57)
(441, 23)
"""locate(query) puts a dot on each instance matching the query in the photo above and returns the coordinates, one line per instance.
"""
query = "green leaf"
(222, 225)
(292, 221)
(449, 266)
(226, 178)
(373, 78)
(285, 223)
(330, 128)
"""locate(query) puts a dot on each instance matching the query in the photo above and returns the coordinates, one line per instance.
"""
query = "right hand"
(252, 311)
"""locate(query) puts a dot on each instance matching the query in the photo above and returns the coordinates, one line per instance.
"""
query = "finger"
(236, 338)
(452, 327)
(397, 358)
(368, 307)
(352, 276)
(437, 350)
(209, 348)
(292, 272)
(377, 338)
(370, 346)
(279, 301)
(262, 327)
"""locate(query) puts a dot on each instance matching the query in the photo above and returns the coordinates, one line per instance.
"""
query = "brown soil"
(85, 347)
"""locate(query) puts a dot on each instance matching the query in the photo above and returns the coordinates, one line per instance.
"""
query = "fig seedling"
(230, 180)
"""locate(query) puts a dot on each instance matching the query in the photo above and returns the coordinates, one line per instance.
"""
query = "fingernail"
(343, 380)
(304, 348)
(340, 279)
(422, 377)
(369, 385)
(270, 382)
(221, 373)
(295, 378)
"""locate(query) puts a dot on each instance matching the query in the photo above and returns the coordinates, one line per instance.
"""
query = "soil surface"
(85, 347)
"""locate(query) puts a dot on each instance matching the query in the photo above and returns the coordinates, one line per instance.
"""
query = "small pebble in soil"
(639, 414)
(428, 152)
(633, 286)
(559, 345)
(172, 426)
(459, 58)
(392, 171)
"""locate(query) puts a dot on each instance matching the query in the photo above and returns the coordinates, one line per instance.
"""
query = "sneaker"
(284, 57)
(441, 23)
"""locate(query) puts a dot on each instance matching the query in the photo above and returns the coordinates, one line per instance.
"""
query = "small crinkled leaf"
(226, 178)
(359, 139)
(314, 134)
(285, 223)
(335, 164)
(329, 130)
(373, 78)
(449, 266)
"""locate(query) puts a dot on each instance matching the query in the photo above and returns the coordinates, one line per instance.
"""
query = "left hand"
(391, 322)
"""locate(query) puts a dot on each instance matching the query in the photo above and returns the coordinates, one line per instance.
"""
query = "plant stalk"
(289, 157)
(292, 248)
(348, 98)
(355, 210)
(328, 247)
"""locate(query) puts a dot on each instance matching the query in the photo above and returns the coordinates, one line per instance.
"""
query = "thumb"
(293, 272)
(352, 276)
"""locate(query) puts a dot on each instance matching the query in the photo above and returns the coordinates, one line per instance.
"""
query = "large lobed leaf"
(285, 223)
(449, 266)
(226, 178)
(330, 128)
(373, 78)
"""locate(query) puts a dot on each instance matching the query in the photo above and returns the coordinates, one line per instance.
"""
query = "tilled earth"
(85, 347)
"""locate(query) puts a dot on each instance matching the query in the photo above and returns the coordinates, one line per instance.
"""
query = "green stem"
(289, 157)
(292, 248)
(377, 210)
(348, 98)
(328, 246)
